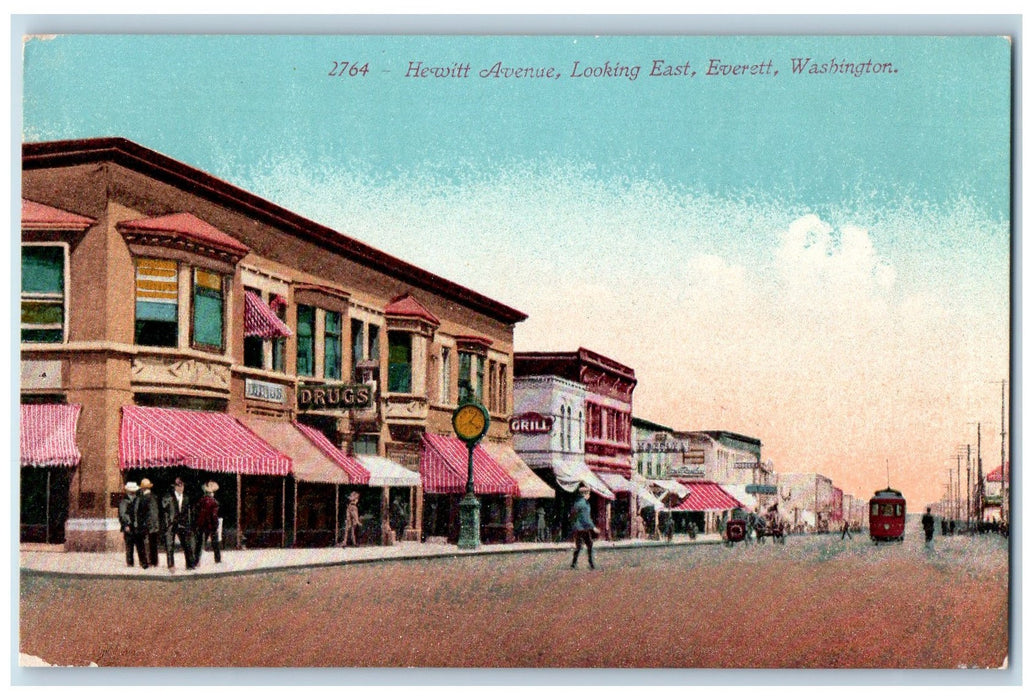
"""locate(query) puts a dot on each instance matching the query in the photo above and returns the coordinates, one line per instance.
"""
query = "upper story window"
(399, 362)
(365, 342)
(306, 340)
(43, 293)
(331, 345)
(209, 311)
(265, 330)
(445, 394)
(157, 302)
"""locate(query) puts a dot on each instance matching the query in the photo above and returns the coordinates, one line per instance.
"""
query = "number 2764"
(349, 69)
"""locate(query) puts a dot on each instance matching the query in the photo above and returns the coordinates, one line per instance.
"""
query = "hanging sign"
(316, 397)
(530, 424)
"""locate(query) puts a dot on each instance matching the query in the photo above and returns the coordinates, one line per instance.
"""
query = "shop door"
(44, 504)
(261, 511)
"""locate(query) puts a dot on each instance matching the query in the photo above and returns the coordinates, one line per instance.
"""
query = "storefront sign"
(264, 391)
(747, 465)
(315, 397)
(530, 424)
(688, 472)
(695, 456)
(764, 489)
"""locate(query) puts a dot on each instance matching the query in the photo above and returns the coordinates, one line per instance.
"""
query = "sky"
(817, 260)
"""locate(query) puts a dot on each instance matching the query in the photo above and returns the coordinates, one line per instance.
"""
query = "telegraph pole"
(979, 474)
(968, 488)
(1004, 477)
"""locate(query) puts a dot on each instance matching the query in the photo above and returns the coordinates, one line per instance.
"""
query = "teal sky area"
(840, 239)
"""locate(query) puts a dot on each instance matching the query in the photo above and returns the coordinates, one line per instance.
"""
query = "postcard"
(485, 351)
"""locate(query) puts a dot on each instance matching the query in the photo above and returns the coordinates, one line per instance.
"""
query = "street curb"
(566, 547)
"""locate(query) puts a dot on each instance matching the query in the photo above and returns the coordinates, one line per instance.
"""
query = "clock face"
(469, 422)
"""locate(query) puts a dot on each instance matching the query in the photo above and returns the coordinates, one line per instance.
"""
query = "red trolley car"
(886, 512)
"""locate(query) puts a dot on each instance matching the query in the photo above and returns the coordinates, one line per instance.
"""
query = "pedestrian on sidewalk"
(927, 525)
(583, 527)
(125, 520)
(399, 517)
(669, 528)
(543, 530)
(351, 520)
(207, 525)
(846, 531)
(146, 524)
(178, 518)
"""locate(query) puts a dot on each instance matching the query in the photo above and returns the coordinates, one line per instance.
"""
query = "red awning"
(443, 468)
(172, 437)
(706, 495)
(48, 435)
(260, 321)
(995, 475)
(351, 466)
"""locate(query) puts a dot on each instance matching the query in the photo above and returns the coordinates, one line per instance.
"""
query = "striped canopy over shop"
(260, 321)
(205, 440)
(310, 461)
(528, 484)
(357, 474)
(571, 473)
(443, 468)
(48, 435)
(706, 496)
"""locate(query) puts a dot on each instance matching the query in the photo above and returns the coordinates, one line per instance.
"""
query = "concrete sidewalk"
(250, 561)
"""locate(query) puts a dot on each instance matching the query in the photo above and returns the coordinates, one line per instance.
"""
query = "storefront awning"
(387, 472)
(48, 435)
(615, 482)
(443, 468)
(260, 321)
(309, 463)
(217, 442)
(355, 471)
(571, 473)
(738, 492)
(706, 496)
(528, 484)
(671, 486)
(646, 499)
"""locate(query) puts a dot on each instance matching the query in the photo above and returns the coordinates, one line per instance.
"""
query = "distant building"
(655, 448)
(807, 499)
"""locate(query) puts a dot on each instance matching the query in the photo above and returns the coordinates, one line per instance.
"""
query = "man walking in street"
(583, 527)
(207, 526)
(846, 531)
(125, 521)
(146, 524)
(927, 525)
(177, 516)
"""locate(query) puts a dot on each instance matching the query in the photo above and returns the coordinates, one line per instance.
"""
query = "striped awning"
(357, 473)
(443, 468)
(615, 482)
(528, 483)
(671, 486)
(309, 463)
(173, 437)
(48, 435)
(706, 496)
(387, 472)
(260, 321)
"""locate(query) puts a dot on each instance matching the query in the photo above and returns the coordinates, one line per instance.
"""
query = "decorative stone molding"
(180, 372)
(406, 408)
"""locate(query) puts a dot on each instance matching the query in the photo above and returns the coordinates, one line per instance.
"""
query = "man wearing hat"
(582, 525)
(125, 520)
(146, 524)
(351, 520)
(178, 519)
(207, 526)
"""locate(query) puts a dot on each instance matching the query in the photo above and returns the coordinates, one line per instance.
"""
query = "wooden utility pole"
(1005, 475)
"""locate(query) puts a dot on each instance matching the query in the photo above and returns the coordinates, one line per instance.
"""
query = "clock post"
(470, 422)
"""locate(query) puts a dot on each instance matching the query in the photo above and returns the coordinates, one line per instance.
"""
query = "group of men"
(143, 518)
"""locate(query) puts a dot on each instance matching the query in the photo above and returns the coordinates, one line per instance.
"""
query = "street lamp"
(470, 422)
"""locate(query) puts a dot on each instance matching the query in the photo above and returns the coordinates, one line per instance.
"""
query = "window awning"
(308, 462)
(571, 473)
(615, 482)
(671, 486)
(260, 321)
(443, 468)
(738, 492)
(387, 472)
(48, 435)
(645, 496)
(172, 437)
(528, 484)
(706, 496)
(357, 473)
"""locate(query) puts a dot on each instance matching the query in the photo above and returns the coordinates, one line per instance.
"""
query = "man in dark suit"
(146, 524)
(207, 525)
(125, 520)
(178, 518)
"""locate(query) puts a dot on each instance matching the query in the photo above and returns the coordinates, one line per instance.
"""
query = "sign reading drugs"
(530, 424)
(313, 397)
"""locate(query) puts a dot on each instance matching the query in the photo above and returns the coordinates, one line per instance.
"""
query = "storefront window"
(306, 340)
(332, 345)
(399, 362)
(208, 310)
(43, 294)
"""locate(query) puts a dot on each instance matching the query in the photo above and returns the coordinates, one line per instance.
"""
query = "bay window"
(208, 310)
(399, 362)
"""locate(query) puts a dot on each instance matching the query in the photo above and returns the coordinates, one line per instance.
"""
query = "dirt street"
(816, 602)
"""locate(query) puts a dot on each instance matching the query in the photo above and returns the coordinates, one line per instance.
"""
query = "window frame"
(391, 363)
(312, 338)
(223, 297)
(46, 297)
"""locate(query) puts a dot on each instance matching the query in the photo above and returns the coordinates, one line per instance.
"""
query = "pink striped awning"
(217, 442)
(260, 321)
(706, 495)
(351, 466)
(443, 468)
(48, 435)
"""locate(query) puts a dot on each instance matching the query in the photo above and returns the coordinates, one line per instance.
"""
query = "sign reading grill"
(314, 397)
(530, 423)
